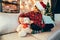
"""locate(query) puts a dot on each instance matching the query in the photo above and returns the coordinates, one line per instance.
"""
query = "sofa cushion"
(8, 22)
(55, 36)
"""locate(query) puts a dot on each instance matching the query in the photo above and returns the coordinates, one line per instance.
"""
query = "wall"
(57, 17)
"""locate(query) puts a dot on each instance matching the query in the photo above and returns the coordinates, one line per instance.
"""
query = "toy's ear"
(21, 19)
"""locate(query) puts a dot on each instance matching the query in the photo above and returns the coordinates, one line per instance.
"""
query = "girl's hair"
(37, 8)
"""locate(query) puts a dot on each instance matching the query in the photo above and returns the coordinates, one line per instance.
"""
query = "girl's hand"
(32, 21)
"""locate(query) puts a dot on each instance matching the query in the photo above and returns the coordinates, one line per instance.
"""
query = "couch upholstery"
(8, 22)
(55, 36)
(40, 36)
(14, 36)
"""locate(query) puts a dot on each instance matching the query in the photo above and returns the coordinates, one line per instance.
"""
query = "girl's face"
(35, 9)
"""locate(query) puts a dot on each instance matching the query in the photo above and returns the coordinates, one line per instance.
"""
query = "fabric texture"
(35, 17)
(40, 5)
(48, 27)
(48, 20)
(8, 23)
(35, 27)
(55, 36)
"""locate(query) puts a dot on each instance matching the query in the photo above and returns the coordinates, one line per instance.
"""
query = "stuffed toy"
(24, 26)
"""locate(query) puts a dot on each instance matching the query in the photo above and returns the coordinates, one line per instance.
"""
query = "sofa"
(55, 36)
(9, 23)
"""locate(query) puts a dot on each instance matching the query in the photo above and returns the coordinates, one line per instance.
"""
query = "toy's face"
(24, 20)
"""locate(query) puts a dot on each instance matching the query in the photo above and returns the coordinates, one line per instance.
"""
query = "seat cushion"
(55, 36)
(8, 22)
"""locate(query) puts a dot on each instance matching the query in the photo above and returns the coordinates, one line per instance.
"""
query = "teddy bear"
(24, 27)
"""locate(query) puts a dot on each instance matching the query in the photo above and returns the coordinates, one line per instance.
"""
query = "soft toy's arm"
(18, 28)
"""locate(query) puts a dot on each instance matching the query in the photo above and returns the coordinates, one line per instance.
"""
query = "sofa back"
(8, 22)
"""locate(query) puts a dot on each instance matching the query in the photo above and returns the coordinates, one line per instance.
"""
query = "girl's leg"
(35, 28)
(48, 27)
